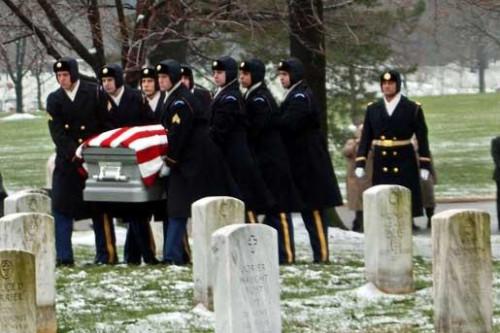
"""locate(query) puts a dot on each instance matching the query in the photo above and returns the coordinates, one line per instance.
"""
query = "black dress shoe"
(65, 263)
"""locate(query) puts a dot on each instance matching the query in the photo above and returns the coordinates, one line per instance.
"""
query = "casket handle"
(119, 178)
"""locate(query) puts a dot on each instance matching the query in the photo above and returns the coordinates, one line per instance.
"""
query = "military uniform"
(270, 154)
(310, 162)
(71, 122)
(128, 112)
(394, 160)
(197, 167)
(202, 95)
(228, 128)
(495, 153)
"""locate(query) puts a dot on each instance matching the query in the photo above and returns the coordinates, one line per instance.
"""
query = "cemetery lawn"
(460, 131)
(315, 298)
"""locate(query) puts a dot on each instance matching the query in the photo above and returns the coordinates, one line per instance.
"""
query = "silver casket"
(114, 176)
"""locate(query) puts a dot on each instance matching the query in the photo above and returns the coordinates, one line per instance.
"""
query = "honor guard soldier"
(73, 111)
(197, 167)
(228, 128)
(150, 88)
(203, 96)
(388, 127)
(124, 108)
(307, 150)
(270, 153)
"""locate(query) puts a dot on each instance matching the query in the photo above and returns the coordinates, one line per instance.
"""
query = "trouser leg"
(317, 228)
(105, 240)
(176, 241)
(64, 231)
(283, 224)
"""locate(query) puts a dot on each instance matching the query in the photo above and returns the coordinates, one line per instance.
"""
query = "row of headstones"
(461, 258)
(235, 266)
(27, 264)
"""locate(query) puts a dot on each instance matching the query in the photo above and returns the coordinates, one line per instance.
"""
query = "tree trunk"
(482, 62)
(307, 42)
(18, 82)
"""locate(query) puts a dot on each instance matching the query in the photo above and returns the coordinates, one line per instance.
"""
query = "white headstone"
(51, 164)
(31, 201)
(208, 215)
(462, 271)
(246, 279)
(17, 292)
(388, 238)
(34, 232)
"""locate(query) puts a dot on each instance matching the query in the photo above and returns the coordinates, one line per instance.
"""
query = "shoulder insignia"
(370, 103)
(301, 95)
(178, 103)
(259, 99)
(418, 103)
(176, 119)
(230, 98)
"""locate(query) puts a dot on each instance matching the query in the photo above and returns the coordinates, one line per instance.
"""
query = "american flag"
(149, 142)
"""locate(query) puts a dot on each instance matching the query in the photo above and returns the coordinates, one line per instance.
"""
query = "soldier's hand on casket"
(424, 174)
(359, 172)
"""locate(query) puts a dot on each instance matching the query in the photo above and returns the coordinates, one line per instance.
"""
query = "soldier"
(356, 186)
(153, 96)
(3, 195)
(307, 150)
(197, 167)
(73, 112)
(123, 108)
(495, 153)
(265, 142)
(427, 188)
(203, 96)
(389, 126)
(228, 128)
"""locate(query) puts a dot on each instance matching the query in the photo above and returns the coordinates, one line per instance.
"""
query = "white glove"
(424, 174)
(359, 172)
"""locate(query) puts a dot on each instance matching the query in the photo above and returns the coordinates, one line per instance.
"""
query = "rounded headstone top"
(386, 188)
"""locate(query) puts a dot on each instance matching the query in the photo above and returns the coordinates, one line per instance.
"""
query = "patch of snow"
(19, 116)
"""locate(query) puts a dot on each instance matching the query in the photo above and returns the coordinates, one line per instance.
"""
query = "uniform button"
(396, 170)
(385, 169)
(382, 137)
(80, 140)
(394, 153)
(82, 127)
(384, 153)
(66, 126)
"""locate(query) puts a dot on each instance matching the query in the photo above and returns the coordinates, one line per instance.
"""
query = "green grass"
(460, 130)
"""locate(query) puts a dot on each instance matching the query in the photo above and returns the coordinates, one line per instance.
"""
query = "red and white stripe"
(149, 142)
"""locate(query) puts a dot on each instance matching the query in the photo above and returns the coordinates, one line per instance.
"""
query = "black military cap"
(391, 75)
(187, 71)
(227, 64)
(294, 68)
(115, 71)
(67, 64)
(170, 67)
(255, 67)
(150, 72)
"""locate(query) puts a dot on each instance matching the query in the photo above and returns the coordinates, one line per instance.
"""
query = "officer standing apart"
(197, 167)
(389, 126)
(228, 128)
(73, 117)
(310, 162)
(270, 154)
(123, 107)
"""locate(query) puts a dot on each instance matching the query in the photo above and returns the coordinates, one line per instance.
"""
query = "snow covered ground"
(314, 298)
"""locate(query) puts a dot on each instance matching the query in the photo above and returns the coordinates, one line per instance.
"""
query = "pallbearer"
(265, 142)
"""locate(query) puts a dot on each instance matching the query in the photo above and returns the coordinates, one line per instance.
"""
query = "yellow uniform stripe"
(251, 217)
(108, 239)
(321, 235)
(286, 237)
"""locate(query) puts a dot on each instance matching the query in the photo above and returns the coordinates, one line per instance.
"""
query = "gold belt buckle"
(387, 143)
